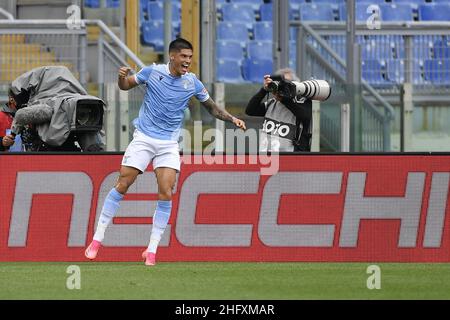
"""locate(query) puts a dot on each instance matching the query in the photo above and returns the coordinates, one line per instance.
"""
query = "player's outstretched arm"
(222, 114)
(125, 81)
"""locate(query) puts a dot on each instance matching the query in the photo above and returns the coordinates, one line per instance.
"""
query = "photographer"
(55, 112)
(287, 121)
(7, 111)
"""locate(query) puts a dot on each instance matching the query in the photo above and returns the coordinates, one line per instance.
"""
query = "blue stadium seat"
(229, 49)
(143, 5)
(232, 31)
(238, 12)
(422, 47)
(396, 12)
(152, 34)
(416, 2)
(259, 49)
(266, 12)
(377, 49)
(395, 71)
(372, 71)
(316, 12)
(112, 3)
(253, 3)
(219, 4)
(338, 45)
(255, 69)
(434, 12)
(413, 3)
(360, 13)
(92, 3)
(441, 49)
(155, 10)
(263, 30)
(176, 11)
(229, 71)
(437, 71)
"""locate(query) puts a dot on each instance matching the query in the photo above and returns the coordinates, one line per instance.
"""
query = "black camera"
(311, 89)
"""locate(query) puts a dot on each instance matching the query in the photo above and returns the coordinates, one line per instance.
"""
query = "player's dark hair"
(179, 44)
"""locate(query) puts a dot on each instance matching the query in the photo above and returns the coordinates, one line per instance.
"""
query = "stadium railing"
(412, 52)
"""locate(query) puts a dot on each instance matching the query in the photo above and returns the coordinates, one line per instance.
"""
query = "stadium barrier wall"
(391, 208)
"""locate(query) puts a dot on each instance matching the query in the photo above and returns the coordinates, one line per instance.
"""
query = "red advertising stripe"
(312, 208)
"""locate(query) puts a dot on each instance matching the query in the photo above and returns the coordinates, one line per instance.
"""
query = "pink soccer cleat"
(149, 258)
(92, 250)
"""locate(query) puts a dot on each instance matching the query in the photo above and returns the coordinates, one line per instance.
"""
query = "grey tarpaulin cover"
(54, 89)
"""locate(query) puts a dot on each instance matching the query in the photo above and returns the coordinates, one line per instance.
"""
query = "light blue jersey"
(162, 111)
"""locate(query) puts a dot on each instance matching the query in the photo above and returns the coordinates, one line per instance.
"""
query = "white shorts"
(143, 149)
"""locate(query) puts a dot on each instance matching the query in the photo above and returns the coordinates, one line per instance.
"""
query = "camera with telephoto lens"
(310, 89)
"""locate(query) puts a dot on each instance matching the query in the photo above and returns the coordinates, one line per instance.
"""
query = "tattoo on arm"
(216, 111)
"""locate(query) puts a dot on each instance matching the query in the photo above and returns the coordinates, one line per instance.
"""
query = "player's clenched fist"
(239, 123)
(123, 72)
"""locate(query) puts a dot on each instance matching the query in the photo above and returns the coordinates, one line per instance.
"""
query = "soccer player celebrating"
(169, 88)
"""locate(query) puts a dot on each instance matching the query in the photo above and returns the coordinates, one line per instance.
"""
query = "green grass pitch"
(223, 281)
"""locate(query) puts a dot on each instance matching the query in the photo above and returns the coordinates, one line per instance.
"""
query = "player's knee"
(165, 194)
(123, 183)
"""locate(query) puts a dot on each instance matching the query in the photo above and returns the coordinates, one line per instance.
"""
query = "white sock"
(100, 232)
(155, 238)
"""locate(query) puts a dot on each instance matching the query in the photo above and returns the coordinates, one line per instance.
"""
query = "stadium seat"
(232, 31)
(316, 12)
(112, 3)
(262, 30)
(416, 2)
(372, 71)
(395, 71)
(92, 3)
(437, 71)
(152, 34)
(441, 49)
(396, 12)
(434, 12)
(253, 3)
(143, 5)
(265, 12)
(377, 49)
(155, 10)
(259, 49)
(360, 12)
(229, 71)
(238, 12)
(328, 1)
(229, 50)
(422, 48)
(338, 45)
(255, 69)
